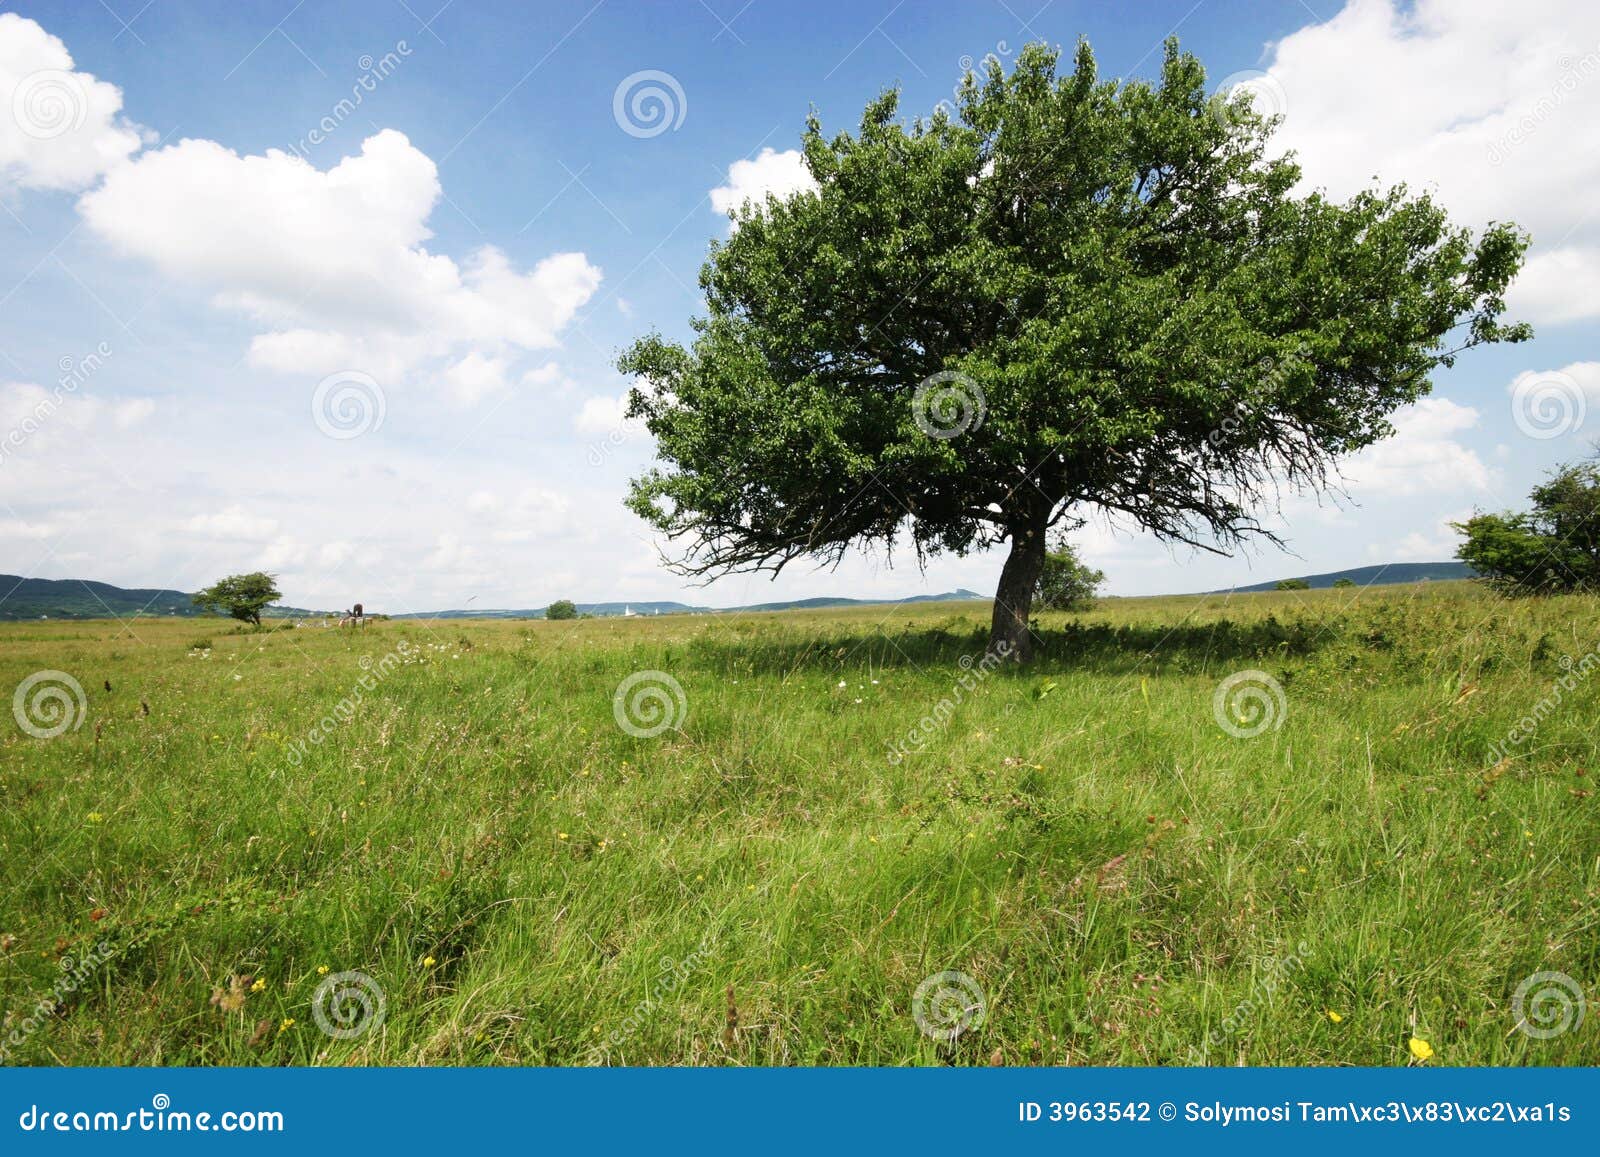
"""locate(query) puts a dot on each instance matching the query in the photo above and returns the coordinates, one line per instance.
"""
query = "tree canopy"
(1553, 548)
(1075, 295)
(244, 596)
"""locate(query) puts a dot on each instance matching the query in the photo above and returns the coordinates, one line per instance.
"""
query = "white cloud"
(59, 128)
(475, 377)
(332, 555)
(534, 513)
(232, 522)
(29, 412)
(333, 263)
(13, 528)
(1558, 286)
(605, 415)
(452, 555)
(26, 408)
(1436, 544)
(283, 552)
(1495, 106)
(1550, 403)
(770, 172)
(1422, 457)
(1583, 376)
(132, 412)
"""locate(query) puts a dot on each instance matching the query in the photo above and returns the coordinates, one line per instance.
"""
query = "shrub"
(1292, 585)
(1554, 547)
(1067, 583)
(561, 609)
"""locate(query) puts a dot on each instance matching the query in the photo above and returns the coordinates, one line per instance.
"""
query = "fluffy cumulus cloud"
(232, 522)
(1496, 106)
(59, 128)
(1548, 404)
(606, 415)
(779, 174)
(1423, 457)
(476, 376)
(526, 515)
(29, 412)
(333, 263)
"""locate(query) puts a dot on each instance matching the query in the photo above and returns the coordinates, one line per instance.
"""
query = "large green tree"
(1076, 294)
(244, 596)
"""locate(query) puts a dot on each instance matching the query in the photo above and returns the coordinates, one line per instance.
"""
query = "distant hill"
(1362, 576)
(599, 609)
(33, 598)
(604, 610)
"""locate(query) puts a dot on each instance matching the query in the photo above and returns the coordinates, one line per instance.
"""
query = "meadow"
(1360, 845)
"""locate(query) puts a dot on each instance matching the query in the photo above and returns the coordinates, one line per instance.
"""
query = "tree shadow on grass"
(1100, 648)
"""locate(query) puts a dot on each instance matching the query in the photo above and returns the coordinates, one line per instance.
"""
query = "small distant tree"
(244, 596)
(1553, 548)
(561, 609)
(1340, 583)
(1292, 585)
(1067, 583)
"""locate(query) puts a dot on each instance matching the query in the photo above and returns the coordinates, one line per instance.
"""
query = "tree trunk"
(1009, 636)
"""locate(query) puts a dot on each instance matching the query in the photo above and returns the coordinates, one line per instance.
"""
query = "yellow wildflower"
(260, 985)
(286, 1024)
(322, 970)
(1420, 1048)
(428, 962)
(1333, 1016)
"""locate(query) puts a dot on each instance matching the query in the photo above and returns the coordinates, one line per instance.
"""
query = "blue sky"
(209, 245)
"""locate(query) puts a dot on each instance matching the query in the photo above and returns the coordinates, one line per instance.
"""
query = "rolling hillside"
(602, 610)
(34, 598)
(1382, 575)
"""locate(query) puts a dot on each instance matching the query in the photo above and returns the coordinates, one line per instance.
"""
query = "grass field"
(1120, 878)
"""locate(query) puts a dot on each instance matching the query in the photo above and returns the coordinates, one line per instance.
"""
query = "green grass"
(1125, 881)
